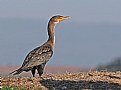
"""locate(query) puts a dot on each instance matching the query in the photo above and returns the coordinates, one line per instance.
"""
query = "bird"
(37, 58)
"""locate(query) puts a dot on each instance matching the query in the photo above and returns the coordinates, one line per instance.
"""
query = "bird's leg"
(33, 71)
(40, 69)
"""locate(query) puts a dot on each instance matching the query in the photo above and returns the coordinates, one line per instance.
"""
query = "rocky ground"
(68, 81)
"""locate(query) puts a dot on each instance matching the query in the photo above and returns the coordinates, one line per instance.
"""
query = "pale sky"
(90, 37)
(81, 10)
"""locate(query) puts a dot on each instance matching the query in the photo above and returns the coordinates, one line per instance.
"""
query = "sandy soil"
(68, 81)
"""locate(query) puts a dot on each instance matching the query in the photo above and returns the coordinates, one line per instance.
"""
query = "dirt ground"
(67, 81)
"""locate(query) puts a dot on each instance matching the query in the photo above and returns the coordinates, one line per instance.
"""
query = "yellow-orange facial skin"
(61, 19)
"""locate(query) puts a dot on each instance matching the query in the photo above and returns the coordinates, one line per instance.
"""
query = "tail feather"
(18, 71)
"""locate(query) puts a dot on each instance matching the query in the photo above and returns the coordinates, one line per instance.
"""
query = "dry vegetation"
(68, 81)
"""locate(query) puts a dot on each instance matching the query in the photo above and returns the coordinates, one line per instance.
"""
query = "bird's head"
(58, 18)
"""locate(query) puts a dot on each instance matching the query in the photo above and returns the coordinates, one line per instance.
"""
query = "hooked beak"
(66, 17)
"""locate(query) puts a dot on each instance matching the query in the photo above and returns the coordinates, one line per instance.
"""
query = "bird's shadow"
(79, 85)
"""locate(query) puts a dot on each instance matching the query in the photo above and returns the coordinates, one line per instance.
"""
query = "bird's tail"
(18, 71)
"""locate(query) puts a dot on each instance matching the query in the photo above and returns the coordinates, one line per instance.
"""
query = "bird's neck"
(51, 33)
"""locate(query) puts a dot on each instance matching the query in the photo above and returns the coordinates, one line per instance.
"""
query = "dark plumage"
(38, 57)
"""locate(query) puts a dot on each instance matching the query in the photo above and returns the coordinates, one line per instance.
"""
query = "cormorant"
(39, 56)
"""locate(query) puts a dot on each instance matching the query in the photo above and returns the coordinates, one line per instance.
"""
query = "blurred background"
(90, 38)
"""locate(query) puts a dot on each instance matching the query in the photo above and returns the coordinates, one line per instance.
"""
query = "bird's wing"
(37, 56)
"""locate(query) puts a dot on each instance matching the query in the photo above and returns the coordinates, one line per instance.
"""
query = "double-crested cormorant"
(39, 56)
